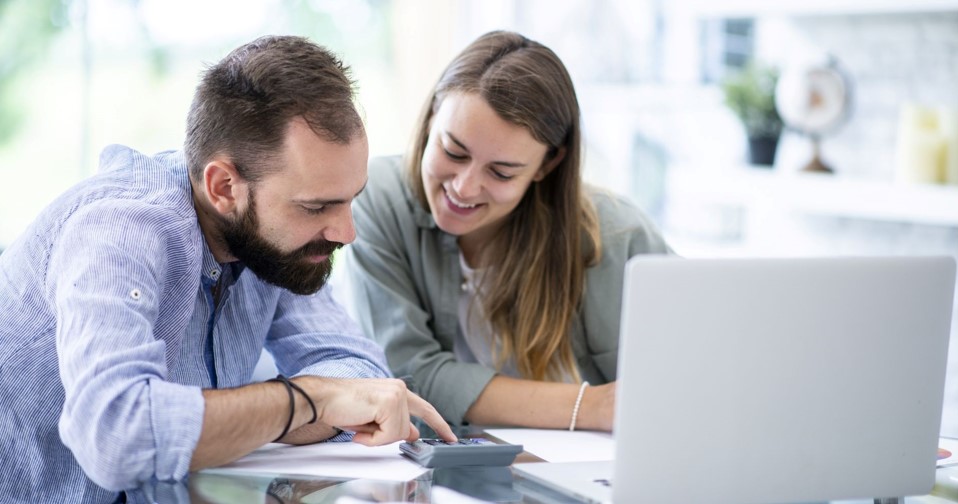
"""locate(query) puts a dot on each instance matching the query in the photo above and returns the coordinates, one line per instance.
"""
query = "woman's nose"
(467, 183)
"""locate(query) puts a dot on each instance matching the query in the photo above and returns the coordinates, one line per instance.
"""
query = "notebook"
(773, 381)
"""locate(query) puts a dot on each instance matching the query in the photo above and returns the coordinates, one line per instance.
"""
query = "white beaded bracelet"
(578, 402)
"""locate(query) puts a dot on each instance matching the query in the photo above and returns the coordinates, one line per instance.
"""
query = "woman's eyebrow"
(506, 164)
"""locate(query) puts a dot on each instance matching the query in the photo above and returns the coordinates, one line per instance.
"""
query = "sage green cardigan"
(405, 283)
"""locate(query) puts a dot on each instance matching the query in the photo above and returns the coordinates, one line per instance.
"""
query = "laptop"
(773, 381)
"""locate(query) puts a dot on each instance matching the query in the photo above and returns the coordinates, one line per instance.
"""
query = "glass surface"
(489, 484)
(493, 484)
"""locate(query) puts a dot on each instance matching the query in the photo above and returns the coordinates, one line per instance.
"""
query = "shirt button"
(135, 294)
(214, 273)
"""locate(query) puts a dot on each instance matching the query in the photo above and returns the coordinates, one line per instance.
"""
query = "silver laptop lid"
(780, 380)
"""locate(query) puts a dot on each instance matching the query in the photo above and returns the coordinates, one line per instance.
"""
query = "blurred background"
(704, 112)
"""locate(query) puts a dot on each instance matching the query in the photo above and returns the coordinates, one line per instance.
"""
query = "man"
(136, 306)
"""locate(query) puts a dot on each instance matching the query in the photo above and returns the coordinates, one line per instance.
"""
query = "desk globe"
(814, 99)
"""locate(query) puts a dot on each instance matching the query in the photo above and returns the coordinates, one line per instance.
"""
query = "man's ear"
(549, 165)
(223, 185)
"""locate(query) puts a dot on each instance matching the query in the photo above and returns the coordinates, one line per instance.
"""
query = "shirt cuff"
(353, 367)
(455, 387)
(343, 436)
(177, 417)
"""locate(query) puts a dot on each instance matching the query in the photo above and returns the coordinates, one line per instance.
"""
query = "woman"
(490, 275)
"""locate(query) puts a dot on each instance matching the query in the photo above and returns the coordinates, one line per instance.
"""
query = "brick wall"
(892, 59)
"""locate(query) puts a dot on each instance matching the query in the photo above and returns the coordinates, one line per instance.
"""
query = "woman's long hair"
(532, 295)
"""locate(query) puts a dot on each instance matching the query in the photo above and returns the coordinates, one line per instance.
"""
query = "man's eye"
(314, 210)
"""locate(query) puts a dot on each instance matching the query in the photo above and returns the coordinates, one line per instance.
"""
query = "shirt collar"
(212, 270)
(420, 215)
(425, 220)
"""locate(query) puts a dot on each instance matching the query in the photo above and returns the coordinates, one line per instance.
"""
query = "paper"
(947, 452)
(554, 445)
(332, 460)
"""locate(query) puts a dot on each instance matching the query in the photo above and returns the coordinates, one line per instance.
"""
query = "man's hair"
(244, 103)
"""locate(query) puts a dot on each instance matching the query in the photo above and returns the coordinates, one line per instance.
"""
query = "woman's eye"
(499, 175)
(454, 157)
(314, 210)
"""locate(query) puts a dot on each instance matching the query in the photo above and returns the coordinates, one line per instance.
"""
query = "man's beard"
(289, 270)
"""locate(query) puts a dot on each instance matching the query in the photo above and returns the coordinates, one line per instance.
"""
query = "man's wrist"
(312, 391)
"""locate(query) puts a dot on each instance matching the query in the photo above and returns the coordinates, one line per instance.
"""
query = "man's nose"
(342, 229)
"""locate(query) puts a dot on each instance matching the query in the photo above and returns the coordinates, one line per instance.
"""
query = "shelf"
(759, 8)
(816, 194)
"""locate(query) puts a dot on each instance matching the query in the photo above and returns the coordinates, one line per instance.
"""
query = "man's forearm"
(237, 421)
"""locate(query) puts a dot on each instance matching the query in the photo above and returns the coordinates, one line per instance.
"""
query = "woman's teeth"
(459, 204)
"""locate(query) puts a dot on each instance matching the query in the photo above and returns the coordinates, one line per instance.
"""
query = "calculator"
(464, 452)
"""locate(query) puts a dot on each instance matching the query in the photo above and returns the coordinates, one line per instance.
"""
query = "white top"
(475, 341)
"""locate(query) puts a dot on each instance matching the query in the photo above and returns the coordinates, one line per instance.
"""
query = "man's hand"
(237, 421)
(377, 410)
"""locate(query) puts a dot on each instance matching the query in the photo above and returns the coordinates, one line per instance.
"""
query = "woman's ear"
(550, 165)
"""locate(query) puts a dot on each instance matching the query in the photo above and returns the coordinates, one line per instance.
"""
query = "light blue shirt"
(109, 335)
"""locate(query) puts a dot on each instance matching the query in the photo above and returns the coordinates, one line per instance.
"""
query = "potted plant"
(751, 96)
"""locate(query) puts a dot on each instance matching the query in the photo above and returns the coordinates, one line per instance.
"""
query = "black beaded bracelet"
(309, 400)
(292, 403)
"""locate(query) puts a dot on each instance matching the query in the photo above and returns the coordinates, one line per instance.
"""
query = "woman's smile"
(459, 207)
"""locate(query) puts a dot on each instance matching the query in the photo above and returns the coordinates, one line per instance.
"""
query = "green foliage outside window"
(27, 28)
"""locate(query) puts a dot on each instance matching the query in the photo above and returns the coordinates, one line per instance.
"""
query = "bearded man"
(136, 306)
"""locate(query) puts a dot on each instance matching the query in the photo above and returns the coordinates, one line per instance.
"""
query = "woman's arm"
(548, 405)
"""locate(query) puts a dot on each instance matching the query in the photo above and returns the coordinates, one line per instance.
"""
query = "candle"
(948, 122)
(921, 150)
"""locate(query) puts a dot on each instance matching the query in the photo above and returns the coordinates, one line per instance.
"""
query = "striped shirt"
(109, 335)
